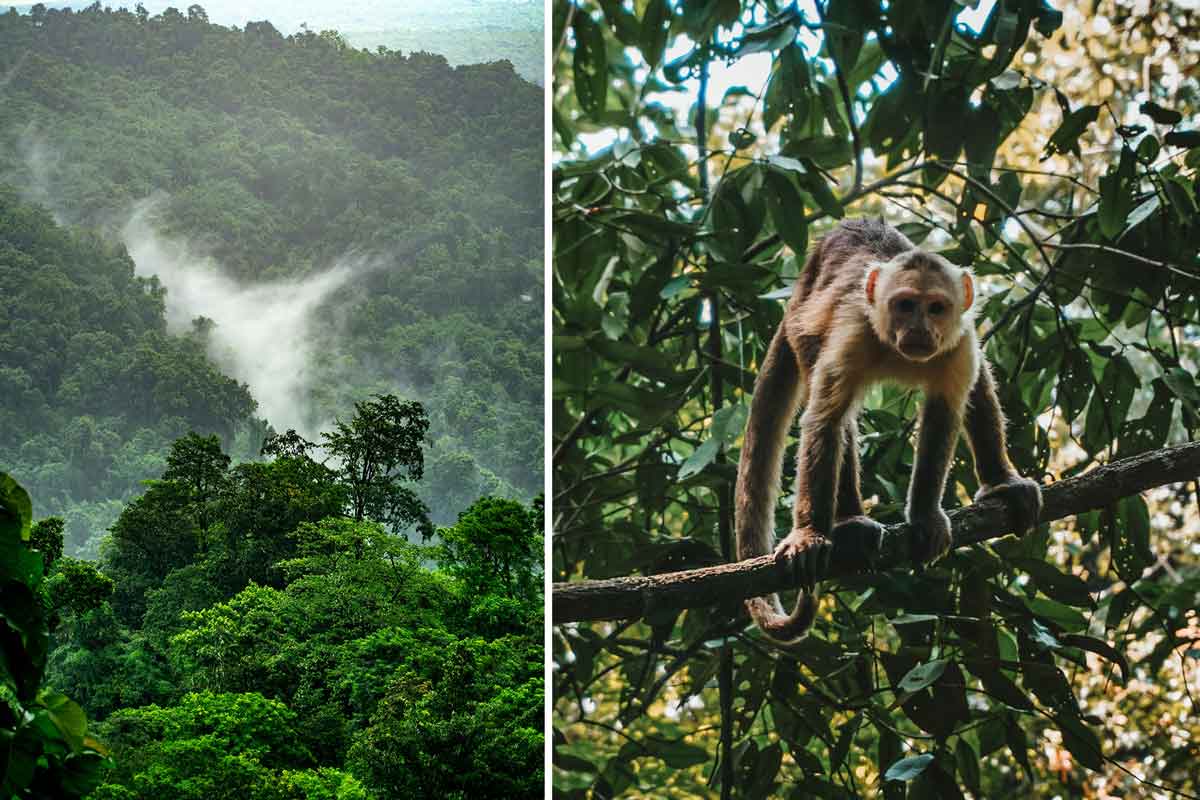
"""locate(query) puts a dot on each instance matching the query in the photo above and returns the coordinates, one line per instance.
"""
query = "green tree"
(154, 535)
(78, 587)
(260, 508)
(46, 537)
(469, 729)
(494, 548)
(218, 746)
(378, 451)
(105, 667)
(199, 466)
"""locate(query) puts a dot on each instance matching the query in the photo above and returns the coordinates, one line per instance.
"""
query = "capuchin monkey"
(869, 307)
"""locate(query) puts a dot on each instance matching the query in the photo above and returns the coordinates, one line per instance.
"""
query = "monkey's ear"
(968, 290)
(872, 276)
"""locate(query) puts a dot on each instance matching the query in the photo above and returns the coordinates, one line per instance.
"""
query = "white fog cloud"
(35, 182)
(265, 333)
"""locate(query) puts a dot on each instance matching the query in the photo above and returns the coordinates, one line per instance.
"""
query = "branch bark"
(634, 597)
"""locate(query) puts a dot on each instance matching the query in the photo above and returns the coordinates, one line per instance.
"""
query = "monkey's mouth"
(916, 348)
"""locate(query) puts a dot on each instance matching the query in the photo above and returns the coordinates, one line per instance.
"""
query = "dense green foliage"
(276, 157)
(45, 749)
(1051, 666)
(93, 389)
(250, 635)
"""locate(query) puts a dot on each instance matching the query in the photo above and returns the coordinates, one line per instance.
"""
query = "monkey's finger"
(929, 550)
(875, 548)
(796, 565)
(944, 548)
(826, 559)
(915, 546)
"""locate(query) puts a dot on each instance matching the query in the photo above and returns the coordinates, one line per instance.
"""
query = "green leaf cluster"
(45, 748)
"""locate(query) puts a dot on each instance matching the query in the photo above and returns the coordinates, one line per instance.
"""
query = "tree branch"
(854, 135)
(635, 597)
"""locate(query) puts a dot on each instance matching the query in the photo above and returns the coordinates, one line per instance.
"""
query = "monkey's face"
(917, 304)
(920, 323)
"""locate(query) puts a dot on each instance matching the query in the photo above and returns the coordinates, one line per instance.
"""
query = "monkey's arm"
(998, 477)
(941, 418)
(856, 536)
(808, 548)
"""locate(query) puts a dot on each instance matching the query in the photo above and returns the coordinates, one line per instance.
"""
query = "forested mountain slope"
(398, 197)
(208, 237)
(464, 31)
(93, 388)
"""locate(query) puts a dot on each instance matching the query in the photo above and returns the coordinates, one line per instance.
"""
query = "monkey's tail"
(777, 624)
(776, 400)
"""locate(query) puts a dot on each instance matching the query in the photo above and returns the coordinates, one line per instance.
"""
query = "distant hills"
(464, 31)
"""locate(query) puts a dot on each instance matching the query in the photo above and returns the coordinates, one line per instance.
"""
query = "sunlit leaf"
(908, 768)
(923, 675)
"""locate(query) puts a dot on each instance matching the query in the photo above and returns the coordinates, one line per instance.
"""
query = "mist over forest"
(322, 223)
(270, 409)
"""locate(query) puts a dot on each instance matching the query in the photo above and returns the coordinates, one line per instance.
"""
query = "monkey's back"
(835, 269)
(847, 248)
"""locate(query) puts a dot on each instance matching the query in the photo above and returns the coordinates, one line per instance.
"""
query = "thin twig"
(1124, 254)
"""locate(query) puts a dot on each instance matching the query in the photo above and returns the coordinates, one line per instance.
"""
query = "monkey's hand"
(930, 536)
(857, 540)
(806, 554)
(1022, 497)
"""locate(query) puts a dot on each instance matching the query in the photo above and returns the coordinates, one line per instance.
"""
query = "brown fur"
(844, 329)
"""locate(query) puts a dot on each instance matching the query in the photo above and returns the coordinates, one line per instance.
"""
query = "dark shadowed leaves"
(591, 64)
(1160, 115)
(1066, 138)
(655, 24)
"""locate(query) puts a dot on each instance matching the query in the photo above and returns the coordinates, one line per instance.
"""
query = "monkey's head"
(917, 302)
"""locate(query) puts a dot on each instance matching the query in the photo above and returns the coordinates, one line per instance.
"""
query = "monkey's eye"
(906, 306)
(936, 308)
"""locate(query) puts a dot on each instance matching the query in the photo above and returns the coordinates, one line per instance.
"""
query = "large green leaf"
(1081, 741)
(1129, 537)
(844, 31)
(1100, 648)
(655, 26)
(16, 510)
(923, 675)
(67, 717)
(1060, 586)
(785, 207)
(678, 754)
(908, 768)
(1161, 115)
(590, 64)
